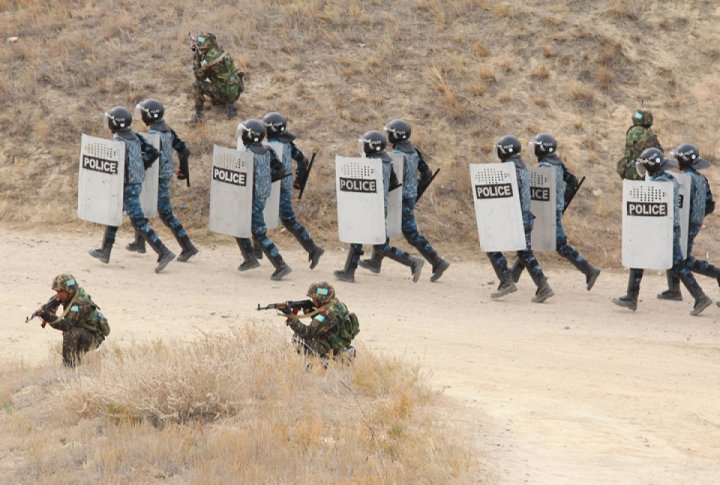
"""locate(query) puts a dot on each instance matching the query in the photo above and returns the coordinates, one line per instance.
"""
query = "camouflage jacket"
(217, 67)
(324, 329)
(637, 139)
(79, 312)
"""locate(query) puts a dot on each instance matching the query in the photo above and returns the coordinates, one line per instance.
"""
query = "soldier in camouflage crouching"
(83, 326)
(332, 328)
(638, 138)
(215, 77)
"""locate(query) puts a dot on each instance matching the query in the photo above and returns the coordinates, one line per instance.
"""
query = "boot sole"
(247, 266)
(135, 250)
(342, 277)
(624, 304)
(164, 262)
(278, 275)
(102, 259)
(543, 296)
(661, 296)
(503, 292)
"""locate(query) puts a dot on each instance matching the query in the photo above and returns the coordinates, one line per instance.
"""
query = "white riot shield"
(272, 204)
(685, 190)
(360, 200)
(543, 205)
(149, 193)
(647, 224)
(231, 192)
(100, 180)
(497, 206)
(394, 214)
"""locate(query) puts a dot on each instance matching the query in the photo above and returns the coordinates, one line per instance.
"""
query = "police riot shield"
(393, 222)
(684, 181)
(149, 193)
(360, 200)
(100, 180)
(231, 191)
(272, 204)
(497, 206)
(543, 204)
(647, 224)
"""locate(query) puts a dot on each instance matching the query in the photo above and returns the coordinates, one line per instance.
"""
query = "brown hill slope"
(463, 72)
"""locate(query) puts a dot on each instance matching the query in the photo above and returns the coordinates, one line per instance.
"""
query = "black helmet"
(119, 118)
(398, 130)
(651, 160)
(688, 156)
(507, 146)
(275, 123)
(151, 110)
(373, 142)
(545, 144)
(251, 131)
(642, 117)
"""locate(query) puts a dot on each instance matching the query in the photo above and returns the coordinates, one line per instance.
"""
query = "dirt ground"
(575, 390)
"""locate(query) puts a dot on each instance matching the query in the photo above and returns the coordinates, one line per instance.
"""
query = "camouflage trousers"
(218, 93)
(76, 342)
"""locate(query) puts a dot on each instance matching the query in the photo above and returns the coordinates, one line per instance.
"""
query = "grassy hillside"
(463, 72)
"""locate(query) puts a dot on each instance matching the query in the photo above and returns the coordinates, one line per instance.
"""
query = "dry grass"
(462, 71)
(238, 407)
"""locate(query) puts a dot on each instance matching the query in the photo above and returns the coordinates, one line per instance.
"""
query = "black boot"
(591, 272)
(439, 266)
(314, 255)
(248, 254)
(281, 268)
(231, 110)
(372, 263)
(673, 292)
(138, 245)
(543, 291)
(413, 262)
(630, 300)
(164, 254)
(516, 270)
(702, 301)
(103, 254)
(257, 248)
(188, 248)
(348, 271)
(506, 286)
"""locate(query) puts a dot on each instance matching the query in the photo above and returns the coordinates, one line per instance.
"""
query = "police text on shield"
(100, 165)
(495, 191)
(367, 186)
(229, 176)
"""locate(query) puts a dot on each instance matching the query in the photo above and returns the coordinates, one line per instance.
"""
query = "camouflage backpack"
(350, 327)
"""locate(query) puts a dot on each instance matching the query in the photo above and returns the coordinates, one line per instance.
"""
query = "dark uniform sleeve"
(300, 159)
(277, 169)
(570, 180)
(179, 146)
(709, 201)
(149, 152)
(394, 183)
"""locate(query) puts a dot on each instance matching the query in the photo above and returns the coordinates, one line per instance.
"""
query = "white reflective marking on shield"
(543, 203)
(272, 204)
(684, 181)
(497, 206)
(149, 194)
(647, 224)
(231, 191)
(394, 215)
(101, 178)
(360, 200)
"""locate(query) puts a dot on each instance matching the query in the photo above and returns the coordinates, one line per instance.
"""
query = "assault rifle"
(289, 307)
(51, 306)
(303, 182)
(422, 187)
(571, 196)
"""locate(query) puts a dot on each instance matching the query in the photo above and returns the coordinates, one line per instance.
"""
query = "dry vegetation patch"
(236, 407)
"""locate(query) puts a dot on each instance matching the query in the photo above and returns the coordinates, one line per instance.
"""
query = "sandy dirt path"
(572, 391)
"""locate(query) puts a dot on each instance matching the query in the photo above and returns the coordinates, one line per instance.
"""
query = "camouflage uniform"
(413, 162)
(638, 137)
(215, 76)
(525, 256)
(326, 332)
(287, 215)
(83, 326)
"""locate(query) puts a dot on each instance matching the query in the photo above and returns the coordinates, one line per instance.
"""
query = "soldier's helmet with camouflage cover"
(65, 282)
(321, 292)
(204, 41)
(642, 117)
